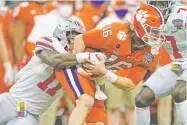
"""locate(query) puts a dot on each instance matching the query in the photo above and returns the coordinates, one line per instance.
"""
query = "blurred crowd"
(22, 22)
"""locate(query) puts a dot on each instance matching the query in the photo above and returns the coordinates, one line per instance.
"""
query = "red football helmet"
(148, 25)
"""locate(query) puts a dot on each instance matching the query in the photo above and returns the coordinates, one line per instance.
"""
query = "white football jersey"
(36, 84)
(176, 33)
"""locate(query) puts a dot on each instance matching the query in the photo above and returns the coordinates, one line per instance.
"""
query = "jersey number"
(179, 10)
(182, 9)
(173, 41)
(44, 85)
(107, 31)
(174, 46)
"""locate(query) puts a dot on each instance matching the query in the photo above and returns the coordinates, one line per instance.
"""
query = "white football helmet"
(66, 31)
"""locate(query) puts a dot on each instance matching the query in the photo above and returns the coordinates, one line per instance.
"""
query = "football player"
(45, 25)
(7, 62)
(120, 13)
(36, 86)
(127, 54)
(170, 79)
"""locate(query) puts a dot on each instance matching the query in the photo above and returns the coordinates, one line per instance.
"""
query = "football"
(96, 57)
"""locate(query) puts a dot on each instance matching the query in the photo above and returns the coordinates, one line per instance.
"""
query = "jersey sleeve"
(94, 39)
(136, 74)
(164, 58)
(43, 43)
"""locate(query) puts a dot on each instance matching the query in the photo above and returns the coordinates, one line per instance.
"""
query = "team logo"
(178, 23)
(148, 58)
(78, 24)
(121, 35)
(141, 16)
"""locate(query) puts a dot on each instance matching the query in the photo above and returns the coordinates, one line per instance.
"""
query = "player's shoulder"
(107, 20)
(45, 39)
(44, 42)
(122, 26)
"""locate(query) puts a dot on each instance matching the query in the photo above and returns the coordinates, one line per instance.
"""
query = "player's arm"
(120, 82)
(92, 39)
(99, 70)
(9, 76)
(3, 50)
(124, 83)
(18, 29)
(17, 33)
(45, 51)
(53, 58)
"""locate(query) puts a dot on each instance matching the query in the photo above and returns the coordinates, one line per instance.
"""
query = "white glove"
(9, 74)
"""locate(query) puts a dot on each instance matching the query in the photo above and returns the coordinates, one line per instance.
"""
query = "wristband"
(111, 77)
(82, 56)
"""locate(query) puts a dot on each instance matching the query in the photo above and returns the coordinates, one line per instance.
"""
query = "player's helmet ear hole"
(138, 27)
(58, 39)
(118, 46)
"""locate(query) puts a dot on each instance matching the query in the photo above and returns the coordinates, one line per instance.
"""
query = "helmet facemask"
(70, 38)
(153, 36)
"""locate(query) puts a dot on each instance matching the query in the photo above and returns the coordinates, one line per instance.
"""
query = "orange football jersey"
(115, 41)
(164, 58)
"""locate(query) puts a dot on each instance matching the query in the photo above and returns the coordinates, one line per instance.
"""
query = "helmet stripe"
(159, 12)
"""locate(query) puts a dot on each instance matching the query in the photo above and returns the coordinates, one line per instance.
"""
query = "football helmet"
(165, 6)
(148, 24)
(66, 31)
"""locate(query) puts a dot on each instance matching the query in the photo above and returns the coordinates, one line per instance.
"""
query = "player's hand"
(85, 74)
(9, 74)
(98, 69)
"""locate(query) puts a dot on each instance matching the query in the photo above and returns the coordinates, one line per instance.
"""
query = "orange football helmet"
(148, 25)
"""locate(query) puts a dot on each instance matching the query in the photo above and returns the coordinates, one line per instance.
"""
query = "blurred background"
(22, 22)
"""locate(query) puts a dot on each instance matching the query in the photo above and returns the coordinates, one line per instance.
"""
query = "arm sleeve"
(94, 39)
